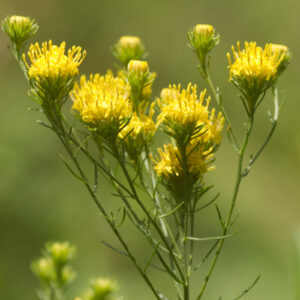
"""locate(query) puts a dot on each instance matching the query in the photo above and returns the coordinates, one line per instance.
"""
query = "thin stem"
(274, 124)
(136, 197)
(232, 205)
(102, 210)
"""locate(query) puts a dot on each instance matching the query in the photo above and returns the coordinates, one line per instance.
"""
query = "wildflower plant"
(55, 272)
(160, 191)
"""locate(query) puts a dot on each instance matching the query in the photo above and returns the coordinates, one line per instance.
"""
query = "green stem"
(102, 210)
(232, 206)
(274, 124)
(136, 197)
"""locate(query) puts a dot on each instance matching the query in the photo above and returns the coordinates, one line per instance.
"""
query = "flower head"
(52, 70)
(202, 39)
(170, 166)
(138, 67)
(44, 269)
(128, 48)
(254, 70)
(185, 115)
(19, 28)
(100, 289)
(139, 77)
(61, 252)
(139, 131)
(283, 54)
(103, 102)
(51, 61)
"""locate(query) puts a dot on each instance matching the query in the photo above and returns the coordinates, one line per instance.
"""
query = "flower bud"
(283, 55)
(128, 41)
(19, 28)
(203, 39)
(61, 253)
(128, 48)
(44, 269)
(139, 77)
(138, 67)
(102, 287)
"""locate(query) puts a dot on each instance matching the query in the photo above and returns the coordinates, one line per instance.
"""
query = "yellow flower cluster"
(170, 164)
(254, 62)
(141, 124)
(139, 131)
(183, 109)
(102, 99)
(196, 130)
(50, 61)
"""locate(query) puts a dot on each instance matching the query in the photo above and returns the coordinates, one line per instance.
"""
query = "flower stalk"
(119, 119)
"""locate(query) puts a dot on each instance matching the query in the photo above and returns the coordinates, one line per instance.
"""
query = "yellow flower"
(170, 165)
(139, 131)
(184, 114)
(140, 124)
(254, 69)
(102, 100)
(50, 61)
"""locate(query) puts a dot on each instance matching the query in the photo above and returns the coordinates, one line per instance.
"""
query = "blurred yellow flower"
(130, 41)
(128, 48)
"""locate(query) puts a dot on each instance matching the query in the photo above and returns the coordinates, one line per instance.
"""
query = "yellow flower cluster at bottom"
(197, 160)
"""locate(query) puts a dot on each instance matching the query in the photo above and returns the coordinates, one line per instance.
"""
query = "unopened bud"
(204, 30)
(128, 48)
(19, 28)
(138, 67)
(283, 55)
(203, 38)
(61, 253)
(102, 287)
(128, 41)
(44, 269)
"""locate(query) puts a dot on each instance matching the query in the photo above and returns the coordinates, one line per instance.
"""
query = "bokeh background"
(41, 201)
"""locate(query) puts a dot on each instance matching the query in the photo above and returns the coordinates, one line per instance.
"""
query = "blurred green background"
(41, 201)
